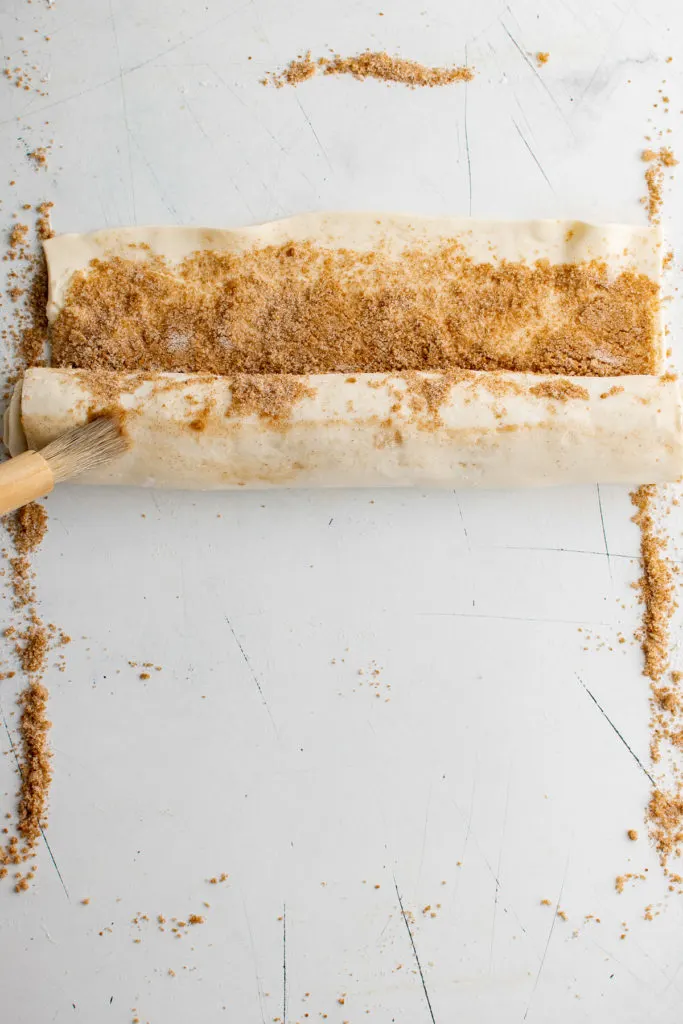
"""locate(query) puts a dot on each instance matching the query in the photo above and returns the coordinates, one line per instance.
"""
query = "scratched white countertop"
(494, 762)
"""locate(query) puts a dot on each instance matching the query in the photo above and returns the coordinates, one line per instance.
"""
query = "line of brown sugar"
(300, 308)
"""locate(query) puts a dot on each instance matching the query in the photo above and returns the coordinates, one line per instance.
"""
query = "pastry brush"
(33, 474)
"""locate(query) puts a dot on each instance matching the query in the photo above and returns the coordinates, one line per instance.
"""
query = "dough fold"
(424, 430)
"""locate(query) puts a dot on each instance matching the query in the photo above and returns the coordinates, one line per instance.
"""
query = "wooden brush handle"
(22, 479)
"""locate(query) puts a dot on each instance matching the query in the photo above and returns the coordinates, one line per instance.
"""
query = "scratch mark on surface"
(500, 861)
(462, 520)
(510, 84)
(315, 134)
(124, 106)
(271, 135)
(284, 964)
(613, 37)
(424, 836)
(254, 677)
(512, 618)
(547, 945)
(253, 954)
(533, 156)
(162, 195)
(417, 959)
(564, 551)
(606, 716)
(604, 532)
(467, 147)
(42, 831)
(129, 71)
(534, 70)
(484, 858)
(208, 138)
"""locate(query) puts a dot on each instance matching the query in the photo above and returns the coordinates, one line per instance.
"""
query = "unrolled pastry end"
(13, 435)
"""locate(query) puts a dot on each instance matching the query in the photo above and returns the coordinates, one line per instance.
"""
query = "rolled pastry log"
(426, 430)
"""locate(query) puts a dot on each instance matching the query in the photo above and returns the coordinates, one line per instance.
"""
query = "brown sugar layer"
(370, 64)
(300, 308)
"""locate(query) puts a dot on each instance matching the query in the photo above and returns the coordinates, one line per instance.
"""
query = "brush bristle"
(83, 448)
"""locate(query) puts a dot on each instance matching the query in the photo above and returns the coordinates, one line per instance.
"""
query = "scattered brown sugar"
(654, 179)
(546, 903)
(27, 527)
(33, 649)
(300, 308)
(560, 390)
(39, 156)
(43, 223)
(22, 76)
(542, 58)
(616, 389)
(26, 331)
(632, 834)
(29, 639)
(297, 71)
(35, 768)
(195, 919)
(655, 586)
(665, 816)
(369, 64)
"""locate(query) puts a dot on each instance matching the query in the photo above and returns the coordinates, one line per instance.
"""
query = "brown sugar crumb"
(144, 675)
(300, 308)
(370, 64)
(269, 396)
(18, 236)
(632, 834)
(39, 156)
(562, 914)
(195, 919)
(560, 390)
(655, 586)
(546, 903)
(27, 527)
(86, 901)
(616, 389)
(542, 58)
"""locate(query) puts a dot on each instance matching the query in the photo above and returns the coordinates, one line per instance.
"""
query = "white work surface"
(481, 776)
